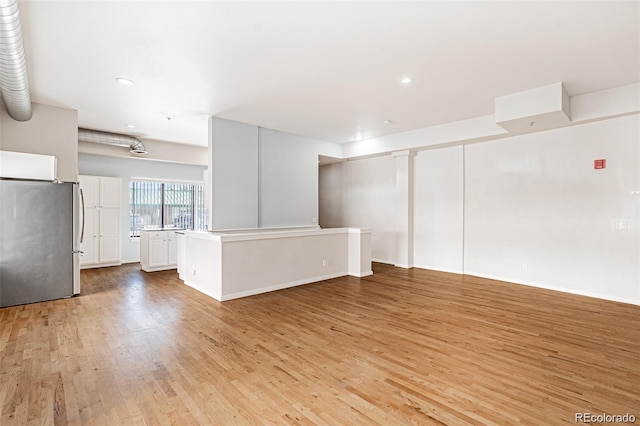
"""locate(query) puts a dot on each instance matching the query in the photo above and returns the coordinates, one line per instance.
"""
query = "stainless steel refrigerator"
(39, 241)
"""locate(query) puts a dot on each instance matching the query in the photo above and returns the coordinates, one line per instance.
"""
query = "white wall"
(361, 193)
(488, 208)
(537, 200)
(51, 131)
(128, 168)
(233, 175)
(288, 180)
(438, 209)
(262, 178)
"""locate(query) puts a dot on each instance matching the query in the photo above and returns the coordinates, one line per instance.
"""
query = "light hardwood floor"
(399, 347)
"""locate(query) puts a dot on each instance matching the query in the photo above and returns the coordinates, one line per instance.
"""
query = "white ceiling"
(328, 70)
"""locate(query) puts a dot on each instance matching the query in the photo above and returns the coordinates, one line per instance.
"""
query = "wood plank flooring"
(399, 347)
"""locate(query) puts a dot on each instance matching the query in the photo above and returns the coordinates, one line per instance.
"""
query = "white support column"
(404, 209)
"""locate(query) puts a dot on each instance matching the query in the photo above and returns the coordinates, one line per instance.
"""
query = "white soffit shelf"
(22, 165)
(538, 109)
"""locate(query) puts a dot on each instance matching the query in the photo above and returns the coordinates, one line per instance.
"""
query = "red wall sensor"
(600, 164)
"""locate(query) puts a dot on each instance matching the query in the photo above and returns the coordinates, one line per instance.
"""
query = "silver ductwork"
(14, 83)
(94, 136)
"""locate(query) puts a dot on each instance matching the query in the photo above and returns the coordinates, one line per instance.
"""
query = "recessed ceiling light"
(131, 126)
(125, 81)
(406, 80)
(387, 121)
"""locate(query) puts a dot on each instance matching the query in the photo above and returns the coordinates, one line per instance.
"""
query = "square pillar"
(404, 209)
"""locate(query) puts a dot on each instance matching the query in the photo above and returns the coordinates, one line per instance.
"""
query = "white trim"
(202, 290)
(554, 288)
(273, 233)
(160, 268)
(403, 266)
(100, 265)
(161, 180)
(438, 269)
(385, 261)
(365, 274)
(280, 286)
(404, 153)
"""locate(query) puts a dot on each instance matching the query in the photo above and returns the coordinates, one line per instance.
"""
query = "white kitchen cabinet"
(110, 192)
(109, 235)
(102, 234)
(100, 191)
(158, 253)
(172, 246)
(90, 240)
(90, 186)
(158, 250)
(181, 244)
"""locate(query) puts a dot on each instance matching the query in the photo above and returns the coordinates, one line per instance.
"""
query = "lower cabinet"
(158, 250)
(101, 240)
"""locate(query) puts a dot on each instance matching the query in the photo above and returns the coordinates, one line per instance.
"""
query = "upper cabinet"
(110, 192)
(100, 191)
(90, 186)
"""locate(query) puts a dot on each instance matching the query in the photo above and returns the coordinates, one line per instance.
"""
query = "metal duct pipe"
(14, 83)
(94, 136)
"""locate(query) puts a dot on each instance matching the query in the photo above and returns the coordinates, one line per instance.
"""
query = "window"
(165, 204)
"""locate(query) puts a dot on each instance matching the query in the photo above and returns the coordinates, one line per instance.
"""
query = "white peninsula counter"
(233, 264)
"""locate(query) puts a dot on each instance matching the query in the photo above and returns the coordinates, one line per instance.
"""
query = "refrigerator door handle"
(83, 213)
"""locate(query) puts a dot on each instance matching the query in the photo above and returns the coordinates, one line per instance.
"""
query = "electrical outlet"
(524, 267)
(324, 262)
(621, 226)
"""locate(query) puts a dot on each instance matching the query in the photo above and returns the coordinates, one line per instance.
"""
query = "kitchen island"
(232, 264)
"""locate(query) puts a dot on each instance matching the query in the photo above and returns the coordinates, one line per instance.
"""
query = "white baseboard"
(281, 286)
(203, 290)
(237, 295)
(386, 262)
(99, 265)
(437, 269)
(554, 288)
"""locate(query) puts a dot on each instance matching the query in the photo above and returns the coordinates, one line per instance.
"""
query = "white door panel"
(172, 246)
(157, 252)
(110, 192)
(89, 247)
(109, 249)
(109, 222)
(90, 186)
